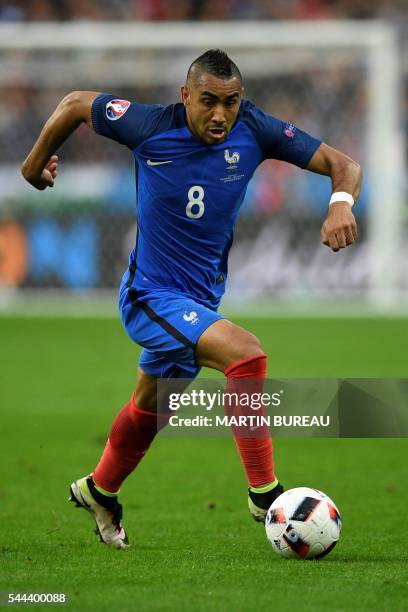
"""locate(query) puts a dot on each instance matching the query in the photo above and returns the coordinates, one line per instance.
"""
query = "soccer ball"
(303, 523)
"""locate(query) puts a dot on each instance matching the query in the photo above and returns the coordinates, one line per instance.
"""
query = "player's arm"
(40, 167)
(339, 228)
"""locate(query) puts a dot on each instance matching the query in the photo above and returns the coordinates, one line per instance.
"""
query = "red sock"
(256, 452)
(130, 436)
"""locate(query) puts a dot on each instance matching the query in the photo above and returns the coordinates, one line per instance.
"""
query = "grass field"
(194, 546)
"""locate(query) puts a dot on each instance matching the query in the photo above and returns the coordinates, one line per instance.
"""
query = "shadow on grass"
(373, 558)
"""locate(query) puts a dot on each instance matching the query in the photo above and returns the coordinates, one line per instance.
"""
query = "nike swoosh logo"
(158, 163)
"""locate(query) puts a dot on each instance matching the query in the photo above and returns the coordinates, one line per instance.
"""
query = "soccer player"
(194, 161)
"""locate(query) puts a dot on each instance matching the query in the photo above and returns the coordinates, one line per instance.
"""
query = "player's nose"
(218, 116)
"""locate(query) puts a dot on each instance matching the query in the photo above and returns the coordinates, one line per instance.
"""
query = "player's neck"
(191, 126)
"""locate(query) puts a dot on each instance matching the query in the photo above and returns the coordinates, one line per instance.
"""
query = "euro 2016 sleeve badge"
(115, 109)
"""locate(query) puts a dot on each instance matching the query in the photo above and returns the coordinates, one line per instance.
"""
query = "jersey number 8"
(195, 207)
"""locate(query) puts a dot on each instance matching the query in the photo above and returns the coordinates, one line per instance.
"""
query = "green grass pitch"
(194, 546)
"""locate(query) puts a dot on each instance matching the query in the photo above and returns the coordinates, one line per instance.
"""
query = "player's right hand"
(49, 174)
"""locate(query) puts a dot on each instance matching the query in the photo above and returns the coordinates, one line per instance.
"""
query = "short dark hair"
(217, 63)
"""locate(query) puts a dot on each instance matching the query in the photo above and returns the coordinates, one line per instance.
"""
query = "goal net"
(336, 80)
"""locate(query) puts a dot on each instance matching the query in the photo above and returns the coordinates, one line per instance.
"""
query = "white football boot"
(106, 511)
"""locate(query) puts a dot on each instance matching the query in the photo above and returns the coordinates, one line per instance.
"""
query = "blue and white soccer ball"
(303, 523)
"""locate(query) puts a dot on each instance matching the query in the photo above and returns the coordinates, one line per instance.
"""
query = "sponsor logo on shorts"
(191, 317)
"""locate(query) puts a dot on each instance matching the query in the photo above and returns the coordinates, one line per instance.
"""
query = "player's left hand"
(339, 228)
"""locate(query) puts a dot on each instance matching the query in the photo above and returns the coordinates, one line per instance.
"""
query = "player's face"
(212, 106)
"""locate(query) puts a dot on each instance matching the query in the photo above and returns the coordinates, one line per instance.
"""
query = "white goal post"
(374, 42)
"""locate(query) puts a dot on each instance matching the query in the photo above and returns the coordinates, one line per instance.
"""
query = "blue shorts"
(167, 325)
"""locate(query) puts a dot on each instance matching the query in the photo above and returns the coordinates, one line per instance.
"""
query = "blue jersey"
(188, 192)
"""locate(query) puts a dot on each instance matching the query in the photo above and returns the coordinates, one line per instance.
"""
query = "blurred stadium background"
(336, 68)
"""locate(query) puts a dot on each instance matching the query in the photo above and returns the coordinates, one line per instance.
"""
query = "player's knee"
(250, 347)
(225, 344)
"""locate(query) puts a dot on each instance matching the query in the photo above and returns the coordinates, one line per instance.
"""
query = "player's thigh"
(224, 343)
(151, 396)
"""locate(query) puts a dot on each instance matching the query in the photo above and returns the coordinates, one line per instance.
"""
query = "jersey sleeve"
(129, 123)
(281, 140)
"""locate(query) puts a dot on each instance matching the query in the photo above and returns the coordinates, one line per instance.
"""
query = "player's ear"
(185, 95)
